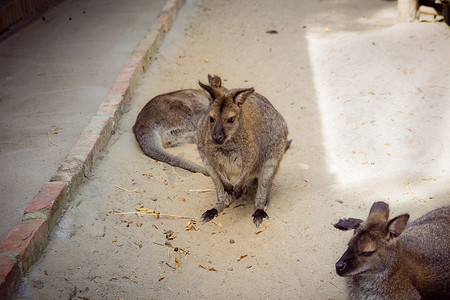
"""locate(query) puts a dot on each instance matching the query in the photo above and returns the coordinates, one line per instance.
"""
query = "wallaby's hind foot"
(209, 215)
(258, 217)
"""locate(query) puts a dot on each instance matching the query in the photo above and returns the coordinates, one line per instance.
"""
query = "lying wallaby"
(241, 138)
(391, 259)
(170, 120)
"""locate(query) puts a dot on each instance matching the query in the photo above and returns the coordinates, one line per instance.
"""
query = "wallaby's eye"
(231, 120)
(211, 119)
(367, 254)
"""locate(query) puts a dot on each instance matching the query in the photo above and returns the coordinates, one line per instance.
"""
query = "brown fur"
(389, 259)
(241, 138)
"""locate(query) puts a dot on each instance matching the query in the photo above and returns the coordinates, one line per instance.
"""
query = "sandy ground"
(364, 99)
(53, 75)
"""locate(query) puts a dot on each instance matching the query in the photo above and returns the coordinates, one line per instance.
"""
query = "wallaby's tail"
(151, 145)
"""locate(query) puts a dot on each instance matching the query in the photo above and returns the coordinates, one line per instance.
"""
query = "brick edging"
(27, 240)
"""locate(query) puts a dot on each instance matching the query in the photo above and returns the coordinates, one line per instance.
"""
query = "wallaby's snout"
(342, 266)
(218, 135)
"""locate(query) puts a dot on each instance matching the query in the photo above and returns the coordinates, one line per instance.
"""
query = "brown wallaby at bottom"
(391, 259)
(170, 120)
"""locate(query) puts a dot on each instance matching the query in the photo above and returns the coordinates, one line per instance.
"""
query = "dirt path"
(363, 99)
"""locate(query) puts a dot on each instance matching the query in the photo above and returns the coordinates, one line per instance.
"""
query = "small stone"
(230, 269)
(38, 284)
(232, 241)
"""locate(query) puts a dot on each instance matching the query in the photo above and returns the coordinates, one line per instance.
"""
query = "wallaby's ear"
(379, 212)
(209, 89)
(215, 81)
(397, 225)
(347, 224)
(239, 96)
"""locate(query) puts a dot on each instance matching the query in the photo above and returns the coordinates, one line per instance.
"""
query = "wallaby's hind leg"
(177, 136)
(265, 179)
(223, 199)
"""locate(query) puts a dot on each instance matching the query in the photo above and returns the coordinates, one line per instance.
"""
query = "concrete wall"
(15, 14)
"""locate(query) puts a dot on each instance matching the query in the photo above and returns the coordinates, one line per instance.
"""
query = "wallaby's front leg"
(239, 186)
(265, 179)
(223, 199)
(227, 186)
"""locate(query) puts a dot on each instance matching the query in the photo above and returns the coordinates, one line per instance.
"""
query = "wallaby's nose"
(340, 267)
(218, 135)
(218, 138)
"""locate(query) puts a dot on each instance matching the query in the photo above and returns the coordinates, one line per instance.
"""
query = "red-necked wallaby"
(170, 120)
(242, 137)
(391, 259)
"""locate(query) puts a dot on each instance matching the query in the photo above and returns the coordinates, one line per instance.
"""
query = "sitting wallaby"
(170, 120)
(241, 138)
(391, 259)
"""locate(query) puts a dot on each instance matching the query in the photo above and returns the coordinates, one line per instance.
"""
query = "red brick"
(111, 106)
(48, 202)
(9, 276)
(112, 99)
(120, 88)
(132, 63)
(164, 20)
(26, 241)
(126, 74)
(93, 134)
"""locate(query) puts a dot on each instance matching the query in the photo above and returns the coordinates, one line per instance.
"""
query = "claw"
(258, 217)
(209, 215)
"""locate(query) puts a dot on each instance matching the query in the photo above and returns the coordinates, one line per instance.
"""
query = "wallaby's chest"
(230, 162)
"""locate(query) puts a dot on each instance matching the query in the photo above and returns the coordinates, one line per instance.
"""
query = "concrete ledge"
(27, 240)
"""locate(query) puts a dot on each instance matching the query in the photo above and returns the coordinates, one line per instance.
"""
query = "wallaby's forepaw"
(209, 215)
(258, 216)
